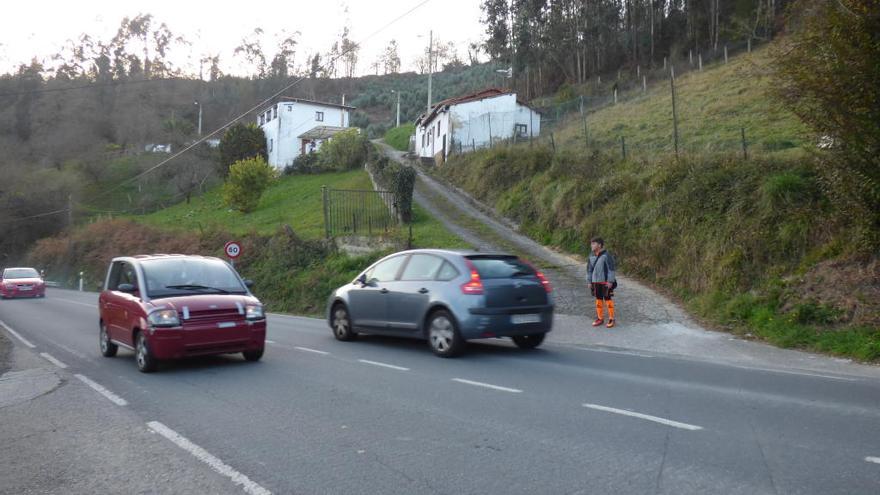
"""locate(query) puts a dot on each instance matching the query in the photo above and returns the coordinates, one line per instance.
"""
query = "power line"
(234, 120)
(91, 86)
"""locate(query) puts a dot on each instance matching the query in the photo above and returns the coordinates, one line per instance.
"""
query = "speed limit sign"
(232, 249)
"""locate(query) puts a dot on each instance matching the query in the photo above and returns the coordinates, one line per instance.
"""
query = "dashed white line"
(16, 335)
(663, 421)
(875, 460)
(306, 349)
(119, 401)
(203, 455)
(384, 365)
(51, 359)
(74, 302)
(487, 385)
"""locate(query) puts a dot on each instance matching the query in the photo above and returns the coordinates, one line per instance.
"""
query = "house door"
(304, 146)
(444, 146)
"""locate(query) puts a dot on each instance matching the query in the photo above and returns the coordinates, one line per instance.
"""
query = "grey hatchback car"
(446, 297)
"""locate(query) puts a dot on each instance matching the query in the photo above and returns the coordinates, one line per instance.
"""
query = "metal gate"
(358, 212)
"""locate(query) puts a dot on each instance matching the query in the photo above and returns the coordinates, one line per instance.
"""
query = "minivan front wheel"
(529, 341)
(146, 363)
(108, 349)
(443, 335)
(340, 322)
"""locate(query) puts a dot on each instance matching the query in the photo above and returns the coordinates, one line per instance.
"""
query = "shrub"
(239, 143)
(346, 151)
(247, 181)
(306, 163)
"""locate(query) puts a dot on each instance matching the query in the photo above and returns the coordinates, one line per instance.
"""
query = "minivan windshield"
(20, 273)
(180, 276)
(501, 266)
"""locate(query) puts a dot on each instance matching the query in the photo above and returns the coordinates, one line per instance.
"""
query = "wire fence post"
(674, 113)
(725, 54)
(749, 45)
(623, 146)
(745, 148)
(700, 56)
(552, 142)
(644, 84)
(586, 136)
(324, 199)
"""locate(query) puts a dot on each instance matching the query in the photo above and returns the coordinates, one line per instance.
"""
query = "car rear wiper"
(196, 287)
(520, 274)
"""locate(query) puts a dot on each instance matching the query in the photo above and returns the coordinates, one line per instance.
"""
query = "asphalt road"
(385, 416)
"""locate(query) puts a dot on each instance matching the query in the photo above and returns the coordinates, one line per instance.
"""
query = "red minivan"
(175, 306)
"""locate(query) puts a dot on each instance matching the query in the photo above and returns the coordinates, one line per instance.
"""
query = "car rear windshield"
(501, 266)
(20, 273)
(180, 276)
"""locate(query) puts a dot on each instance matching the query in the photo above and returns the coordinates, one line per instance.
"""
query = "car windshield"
(501, 266)
(20, 273)
(179, 276)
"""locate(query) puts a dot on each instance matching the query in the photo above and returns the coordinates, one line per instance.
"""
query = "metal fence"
(350, 212)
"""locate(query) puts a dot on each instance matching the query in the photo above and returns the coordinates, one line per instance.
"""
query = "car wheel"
(341, 324)
(108, 349)
(529, 341)
(146, 363)
(443, 335)
(254, 355)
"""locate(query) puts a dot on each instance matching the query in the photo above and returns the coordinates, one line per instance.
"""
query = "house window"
(275, 113)
(270, 145)
(319, 116)
(262, 119)
(289, 108)
(521, 130)
(438, 128)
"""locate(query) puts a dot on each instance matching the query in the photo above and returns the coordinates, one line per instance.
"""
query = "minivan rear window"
(501, 266)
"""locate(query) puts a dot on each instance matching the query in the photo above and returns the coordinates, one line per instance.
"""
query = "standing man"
(600, 277)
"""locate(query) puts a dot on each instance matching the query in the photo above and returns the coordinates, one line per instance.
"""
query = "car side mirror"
(362, 280)
(127, 288)
(249, 283)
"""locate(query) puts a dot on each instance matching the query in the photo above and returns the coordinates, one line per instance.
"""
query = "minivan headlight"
(254, 312)
(164, 318)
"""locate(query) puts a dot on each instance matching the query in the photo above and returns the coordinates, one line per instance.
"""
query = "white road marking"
(271, 342)
(16, 335)
(74, 302)
(203, 455)
(875, 460)
(801, 373)
(72, 351)
(384, 365)
(52, 360)
(306, 349)
(667, 422)
(119, 401)
(487, 385)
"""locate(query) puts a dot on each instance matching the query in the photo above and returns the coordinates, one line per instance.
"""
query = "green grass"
(712, 107)
(398, 137)
(428, 232)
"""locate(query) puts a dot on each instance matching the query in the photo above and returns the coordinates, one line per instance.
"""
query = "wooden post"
(745, 148)
(553, 142)
(623, 146)
(615, 96)
(586, 136)
(700, 56)
(674, 113)
(644, 84)
(691, 57)
(750, 44)
(725, 54)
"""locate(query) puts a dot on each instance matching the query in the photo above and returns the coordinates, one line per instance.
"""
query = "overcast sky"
(39, 29)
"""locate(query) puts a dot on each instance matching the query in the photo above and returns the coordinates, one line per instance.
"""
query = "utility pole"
(430, 67)
(200, 117)
(398, 107)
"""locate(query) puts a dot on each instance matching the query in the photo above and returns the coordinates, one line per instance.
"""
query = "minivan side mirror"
(362, 280)
(249, 283)
(127, 288)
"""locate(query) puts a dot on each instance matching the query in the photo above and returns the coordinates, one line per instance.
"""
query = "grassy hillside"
(712, 107)
(753, 246)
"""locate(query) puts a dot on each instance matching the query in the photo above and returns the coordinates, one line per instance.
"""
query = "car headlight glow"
(254, 312)
(164, 318)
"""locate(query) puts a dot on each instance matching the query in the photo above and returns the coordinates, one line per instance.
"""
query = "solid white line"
(487, 385)
(384, 365)
(119, 401)
(667, 422)
(16, 335)
(216, 464)
(801, 373)
(306, 349)
(74, 302)
(52, 360)
(875, 460)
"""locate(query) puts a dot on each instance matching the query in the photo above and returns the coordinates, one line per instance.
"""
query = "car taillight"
(475, 285)
(541, 277)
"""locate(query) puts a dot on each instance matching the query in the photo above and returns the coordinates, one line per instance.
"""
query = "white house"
(474, 121)
(294, 126)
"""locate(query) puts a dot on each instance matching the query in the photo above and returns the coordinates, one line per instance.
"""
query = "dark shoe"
(610, 324)
(598, 322)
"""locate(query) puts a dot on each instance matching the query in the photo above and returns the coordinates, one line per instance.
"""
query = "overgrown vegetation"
(247, 181)
(398, 137)
(240, 142)
(347, 150)
(399, 179)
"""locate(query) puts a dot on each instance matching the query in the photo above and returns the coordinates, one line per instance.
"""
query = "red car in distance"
(175, 306)
(21, 282)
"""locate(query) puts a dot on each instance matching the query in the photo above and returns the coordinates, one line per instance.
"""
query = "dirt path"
(646, 319)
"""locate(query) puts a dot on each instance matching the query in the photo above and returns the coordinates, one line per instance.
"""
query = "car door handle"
(383, 291)
(423, 291)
